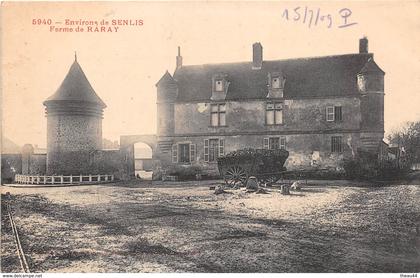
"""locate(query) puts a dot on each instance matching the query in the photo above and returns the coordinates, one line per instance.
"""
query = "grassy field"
(187, 228)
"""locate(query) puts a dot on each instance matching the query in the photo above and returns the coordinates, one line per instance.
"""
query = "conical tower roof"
(75, 88)
(166, 79)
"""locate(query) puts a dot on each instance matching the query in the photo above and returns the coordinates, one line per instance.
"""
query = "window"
(183, 153)
(274, 143)
(192, 153)
(336, 144)
(334, 114)
(213, 148)
(218, 85)
(275, 83)
(174, 153)
(218, 114)
(274, 113)
(361, 83)
(330, 113)
(282, 143)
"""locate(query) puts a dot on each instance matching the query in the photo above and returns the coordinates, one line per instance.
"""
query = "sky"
(124, 66)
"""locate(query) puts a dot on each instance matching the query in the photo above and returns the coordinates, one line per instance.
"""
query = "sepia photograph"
(210, 137)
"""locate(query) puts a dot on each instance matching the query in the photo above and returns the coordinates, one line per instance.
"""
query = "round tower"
(167, 91)
(74, 124)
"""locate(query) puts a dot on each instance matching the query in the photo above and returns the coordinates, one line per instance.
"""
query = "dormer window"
(361, 83)
(218, 86)
(276, 82)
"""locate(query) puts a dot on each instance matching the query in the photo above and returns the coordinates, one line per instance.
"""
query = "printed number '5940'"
(41, 21)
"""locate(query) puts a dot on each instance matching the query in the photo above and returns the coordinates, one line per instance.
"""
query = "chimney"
(179, 59)
(257, 55)
(363, 45)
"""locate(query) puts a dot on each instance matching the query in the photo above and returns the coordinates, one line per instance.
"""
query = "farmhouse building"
(320, 109)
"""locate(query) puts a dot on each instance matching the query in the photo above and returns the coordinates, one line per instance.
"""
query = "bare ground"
(186, 228)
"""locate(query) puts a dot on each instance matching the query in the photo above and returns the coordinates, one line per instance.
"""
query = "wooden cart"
(266, 165)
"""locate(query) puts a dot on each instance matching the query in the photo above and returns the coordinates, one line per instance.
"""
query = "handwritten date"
(316, 17)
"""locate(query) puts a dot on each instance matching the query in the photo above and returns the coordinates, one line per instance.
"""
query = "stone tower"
(167, 91)
(166, 96)
(74, 124)
(370, 82)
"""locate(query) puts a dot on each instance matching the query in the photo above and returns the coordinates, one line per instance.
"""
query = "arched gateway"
(127, 150)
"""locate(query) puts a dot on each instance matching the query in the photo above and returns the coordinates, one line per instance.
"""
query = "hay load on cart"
(238, 166)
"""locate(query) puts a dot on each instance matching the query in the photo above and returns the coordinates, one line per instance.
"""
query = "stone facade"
(70, 139)
(306, 151)
(299, 116)
(110, 162)
(30, 161)
(327, 108)
(33, 163)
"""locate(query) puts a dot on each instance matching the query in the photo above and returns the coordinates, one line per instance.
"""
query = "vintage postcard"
(210, 137)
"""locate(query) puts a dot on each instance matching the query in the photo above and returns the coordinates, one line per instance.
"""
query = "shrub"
(366, 166)
(317, 174)
(184, 172)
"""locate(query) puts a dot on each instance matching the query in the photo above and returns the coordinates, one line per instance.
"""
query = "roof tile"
(305, 77)
(76, 87)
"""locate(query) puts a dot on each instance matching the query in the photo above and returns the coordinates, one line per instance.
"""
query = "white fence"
(58, 180)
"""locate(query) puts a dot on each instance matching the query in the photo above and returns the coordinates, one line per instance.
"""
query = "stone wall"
(307, 132)
(299, 115)
(70, 138)
(372, 112)
(35, 164)
(165, 118)
(68, 163)
(74, 133)
(110, 162)
(308, 151)
(166, 95)
(106, 162)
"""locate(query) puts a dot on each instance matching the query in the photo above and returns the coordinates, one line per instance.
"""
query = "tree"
(108, 144)
(408, 137)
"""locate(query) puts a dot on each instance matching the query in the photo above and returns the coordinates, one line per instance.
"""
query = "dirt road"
(175, 228)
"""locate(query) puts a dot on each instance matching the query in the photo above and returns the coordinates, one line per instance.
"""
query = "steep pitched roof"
(305, 77)
(371, 66)
(76, 87)
(166, 79)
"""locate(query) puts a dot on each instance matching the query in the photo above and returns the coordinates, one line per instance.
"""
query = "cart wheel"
(235, 175)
